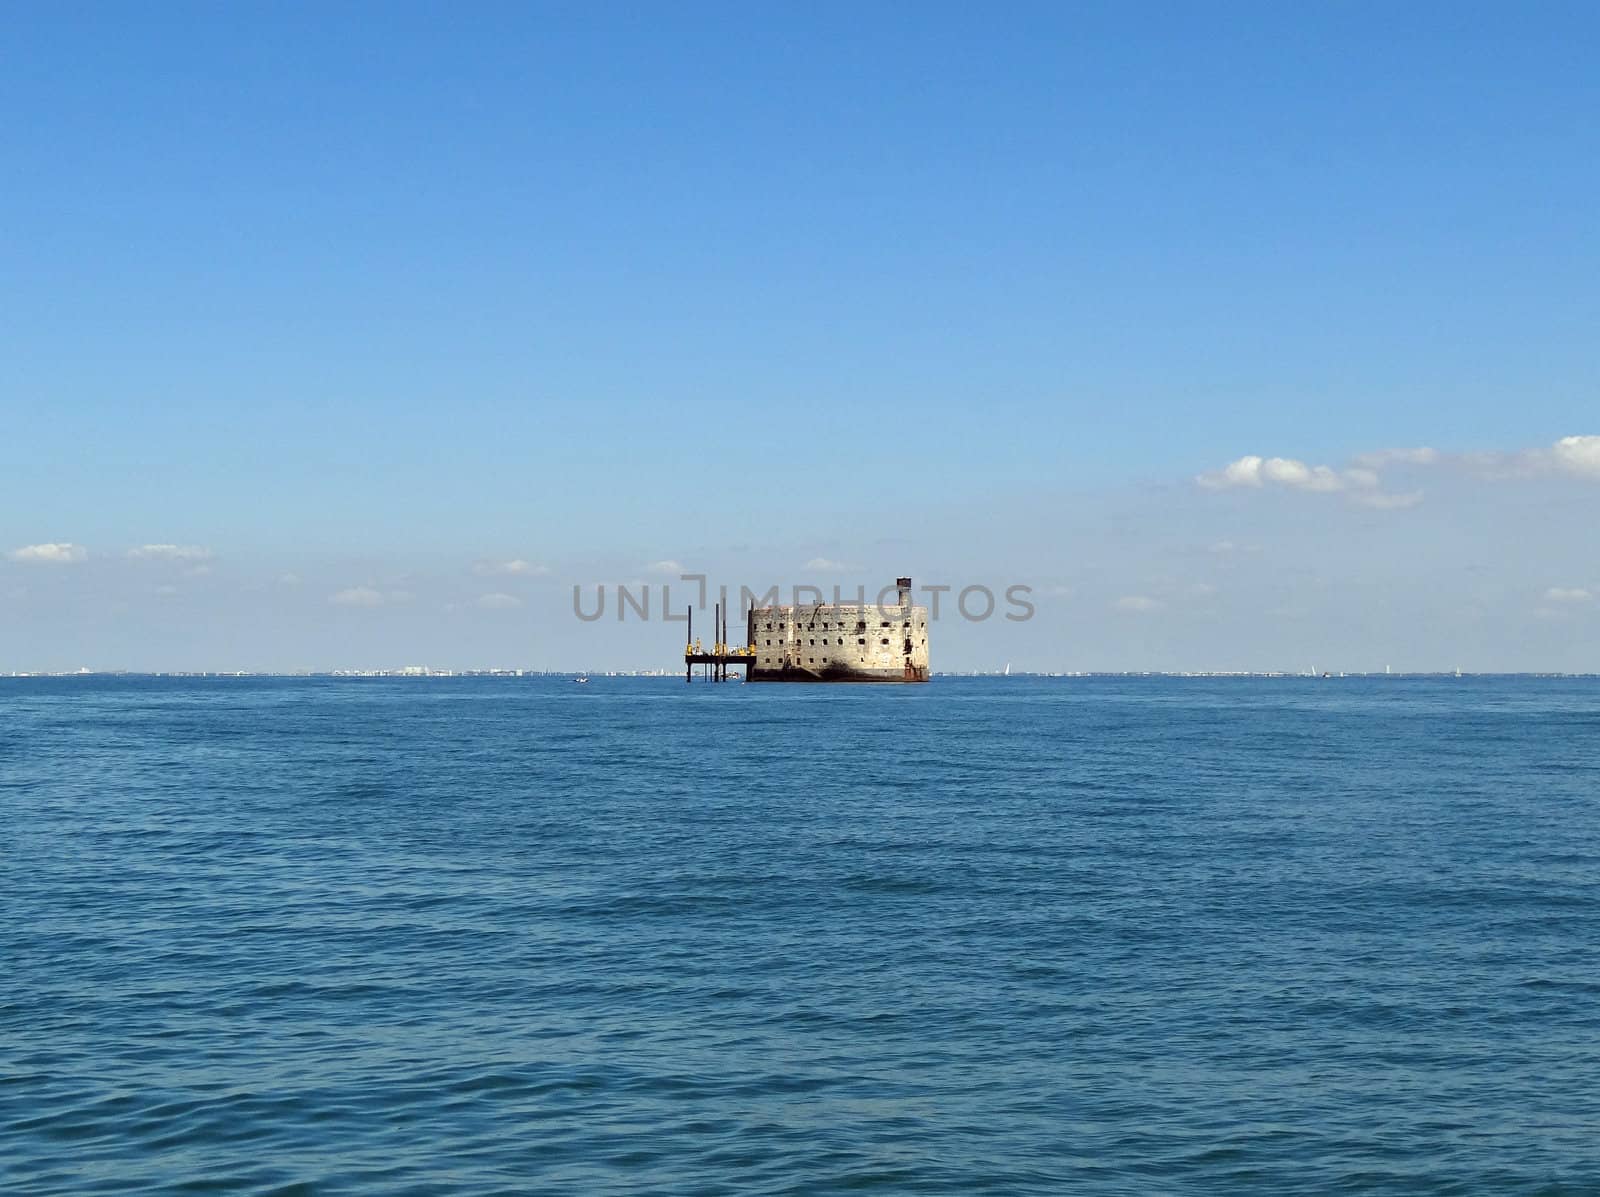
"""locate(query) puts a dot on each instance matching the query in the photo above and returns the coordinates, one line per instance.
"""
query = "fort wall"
(847, 642)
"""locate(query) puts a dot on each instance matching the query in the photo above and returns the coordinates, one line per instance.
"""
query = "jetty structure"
(714, 661)
(821, 642)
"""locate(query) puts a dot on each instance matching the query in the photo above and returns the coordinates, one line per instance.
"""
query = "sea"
(498, 935)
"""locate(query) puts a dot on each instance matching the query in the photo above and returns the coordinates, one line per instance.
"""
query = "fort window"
(863, 640)
(885, 640)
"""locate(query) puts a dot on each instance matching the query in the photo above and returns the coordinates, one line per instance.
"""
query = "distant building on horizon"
(840, 642)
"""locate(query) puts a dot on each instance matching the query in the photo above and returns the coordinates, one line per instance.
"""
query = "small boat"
(581, 680)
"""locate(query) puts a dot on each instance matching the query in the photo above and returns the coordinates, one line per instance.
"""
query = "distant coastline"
(418, 672)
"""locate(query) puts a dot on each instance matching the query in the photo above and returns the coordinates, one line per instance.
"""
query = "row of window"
(781, 642)
(860, 625)
(884, 642)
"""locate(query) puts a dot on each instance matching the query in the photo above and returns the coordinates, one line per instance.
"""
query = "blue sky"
(375, 297)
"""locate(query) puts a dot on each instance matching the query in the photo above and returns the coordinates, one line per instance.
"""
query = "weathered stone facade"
(847, 642)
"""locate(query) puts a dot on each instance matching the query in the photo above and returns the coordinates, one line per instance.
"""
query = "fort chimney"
(903, 585)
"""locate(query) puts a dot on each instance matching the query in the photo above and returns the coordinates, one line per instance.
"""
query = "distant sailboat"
(1008, 670)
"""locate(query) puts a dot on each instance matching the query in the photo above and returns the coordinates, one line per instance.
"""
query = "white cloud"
(1360, 483)
(166, 591)
(1257, 472)
(498, 601)
(49, 554)
(1577, 455)
(288, 579)
(1569, 594)
(1246, 471)
(170, 552)
(358, 596)
(1288, 472)
(1136, 602)
(511, 569)
(664, 567)
(827, 566)
(1202, 589)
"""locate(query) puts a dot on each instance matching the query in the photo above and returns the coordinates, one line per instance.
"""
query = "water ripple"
(1086, 936)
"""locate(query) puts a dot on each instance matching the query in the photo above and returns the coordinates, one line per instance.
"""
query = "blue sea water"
(474, 936)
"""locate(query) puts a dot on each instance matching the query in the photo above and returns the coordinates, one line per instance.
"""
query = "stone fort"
(840, 642)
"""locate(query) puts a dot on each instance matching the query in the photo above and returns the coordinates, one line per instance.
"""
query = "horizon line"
(425, 672)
